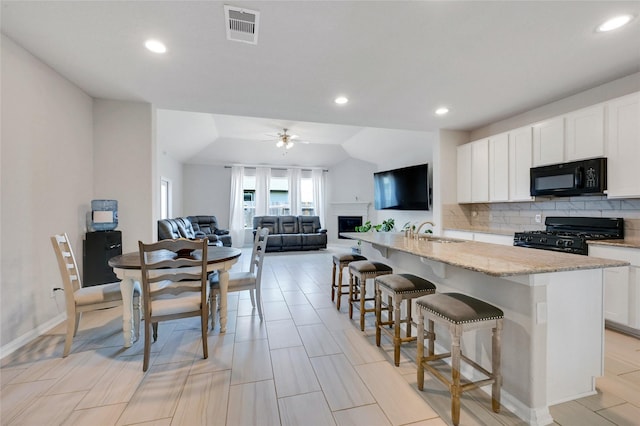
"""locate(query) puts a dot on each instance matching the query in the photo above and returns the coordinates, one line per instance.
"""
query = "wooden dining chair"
(174, 285)
(240, 281)
(79, 299)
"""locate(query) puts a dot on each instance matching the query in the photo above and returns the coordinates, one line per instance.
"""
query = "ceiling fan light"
(614, 23)
(289, 145)
(280, 144)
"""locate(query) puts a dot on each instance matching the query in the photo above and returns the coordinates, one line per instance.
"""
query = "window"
(165, 198)
(306, 196)
(278, 195)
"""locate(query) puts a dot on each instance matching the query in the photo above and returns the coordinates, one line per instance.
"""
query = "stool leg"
(432, 338)
(378, 305)
(420, 351)
(389, 310)
(455, 374)
(396, 330)
(363, 295)
(408, 317)
(351, 295)
(333, 282)
(339, 287)
(495, 361)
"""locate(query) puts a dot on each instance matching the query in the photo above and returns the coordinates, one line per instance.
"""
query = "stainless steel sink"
(434, 239)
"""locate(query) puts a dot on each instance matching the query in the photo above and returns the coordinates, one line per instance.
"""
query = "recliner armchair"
(194, 227)
(209, 226)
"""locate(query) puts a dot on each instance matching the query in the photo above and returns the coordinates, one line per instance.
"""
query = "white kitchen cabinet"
(499, 167)
(480, 171)
(585, 133)
(621, 285)
(520, 161)
(548, 142)
(623, 147)
(464, 173)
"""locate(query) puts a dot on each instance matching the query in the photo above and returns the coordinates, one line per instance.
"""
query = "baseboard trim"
(16, 344)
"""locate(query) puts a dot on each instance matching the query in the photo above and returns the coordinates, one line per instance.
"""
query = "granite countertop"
(483, 229)
(491, 259)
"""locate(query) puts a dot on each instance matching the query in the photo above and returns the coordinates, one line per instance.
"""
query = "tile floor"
(306, 364)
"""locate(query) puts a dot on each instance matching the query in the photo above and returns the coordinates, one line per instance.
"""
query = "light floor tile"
(572, 413)
(340, 382)
(19, 397)
(294, 298)
(283, 334)
(294, 410)
(253, 404)
(370, 415)
(49, 409)
(622, 415)
(220, 355)
(318, 340)
(194, 409)
(397, 399)
(275, 311)
(104, 416)
(304, 315)
(292, 372)
(250, 328)
(251, 362)
(356, 347)
(157, 396)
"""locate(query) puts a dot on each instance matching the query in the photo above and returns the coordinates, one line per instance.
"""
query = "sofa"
(290, 233)
(193, 227)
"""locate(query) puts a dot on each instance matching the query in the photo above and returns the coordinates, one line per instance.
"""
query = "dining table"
(127, 267)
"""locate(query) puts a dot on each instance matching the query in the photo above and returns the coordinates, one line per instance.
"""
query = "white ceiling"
(395, 60)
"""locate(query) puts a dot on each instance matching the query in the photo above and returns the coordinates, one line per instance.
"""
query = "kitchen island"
(553, 337)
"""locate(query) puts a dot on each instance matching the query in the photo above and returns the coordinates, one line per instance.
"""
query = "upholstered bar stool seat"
(359, 272)
(399, 287)
(459, 313)
(341, 261)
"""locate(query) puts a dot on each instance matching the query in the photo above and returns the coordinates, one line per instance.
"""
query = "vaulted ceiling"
(396, 61)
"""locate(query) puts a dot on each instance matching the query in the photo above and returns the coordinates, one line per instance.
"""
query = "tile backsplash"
(512, 217)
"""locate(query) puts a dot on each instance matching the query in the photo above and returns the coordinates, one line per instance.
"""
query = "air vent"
(242, 24)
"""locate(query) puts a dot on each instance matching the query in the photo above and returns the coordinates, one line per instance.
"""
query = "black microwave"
(585, 177)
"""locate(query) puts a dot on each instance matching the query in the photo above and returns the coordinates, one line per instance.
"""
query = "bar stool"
(341, 261)
(459, 313)
(399, 287)
(359, 272)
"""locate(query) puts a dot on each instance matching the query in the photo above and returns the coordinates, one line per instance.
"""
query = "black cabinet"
(99, 247)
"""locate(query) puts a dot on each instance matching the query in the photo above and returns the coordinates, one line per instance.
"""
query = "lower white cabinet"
(621, 285)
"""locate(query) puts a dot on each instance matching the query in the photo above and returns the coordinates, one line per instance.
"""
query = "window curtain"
(295, 205)
(317, 179)
(236, 211)
(263, 175)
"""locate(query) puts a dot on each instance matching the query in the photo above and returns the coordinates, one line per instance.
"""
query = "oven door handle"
(578, 177)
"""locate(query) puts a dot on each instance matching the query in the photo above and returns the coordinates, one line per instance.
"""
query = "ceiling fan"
(286, 140)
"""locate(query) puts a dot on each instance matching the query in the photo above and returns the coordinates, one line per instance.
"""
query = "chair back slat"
(67, 264)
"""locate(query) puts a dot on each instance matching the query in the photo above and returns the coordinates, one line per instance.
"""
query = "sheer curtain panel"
(317, 178)
(263, 176)
(295, 205)
(236, 212)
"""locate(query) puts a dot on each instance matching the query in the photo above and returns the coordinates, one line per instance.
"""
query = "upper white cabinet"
(623, 147)
(473, 172)
(548, 142)
(499, 167)
(585, 133)
(464, 173)
(520, 161)
(480, 171)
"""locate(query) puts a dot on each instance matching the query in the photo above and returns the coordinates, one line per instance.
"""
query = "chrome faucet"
(417, 232)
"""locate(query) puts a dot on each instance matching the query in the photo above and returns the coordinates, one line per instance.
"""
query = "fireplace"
(348, 224)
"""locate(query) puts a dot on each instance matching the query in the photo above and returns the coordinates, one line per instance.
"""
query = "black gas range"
(570, 234)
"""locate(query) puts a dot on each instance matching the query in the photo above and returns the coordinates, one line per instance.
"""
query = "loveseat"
(288, 233)
(194, 227)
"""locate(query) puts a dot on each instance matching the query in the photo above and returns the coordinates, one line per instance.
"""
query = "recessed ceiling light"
(442, 111)
(614, 23)
(341, 100)
(155, 46)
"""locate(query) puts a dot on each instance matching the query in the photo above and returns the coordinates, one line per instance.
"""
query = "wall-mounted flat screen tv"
(402, 189)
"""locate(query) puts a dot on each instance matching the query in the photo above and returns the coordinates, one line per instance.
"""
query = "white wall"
(206, 191)
(604, 92)
(124, 155)
(173, 170)
(46, 188)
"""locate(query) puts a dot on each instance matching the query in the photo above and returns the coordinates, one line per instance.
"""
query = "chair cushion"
(236, 279)
(458, 308)
(347, 257)
(169, 304)
(100, 293)
(363, 266)
(405, 283)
